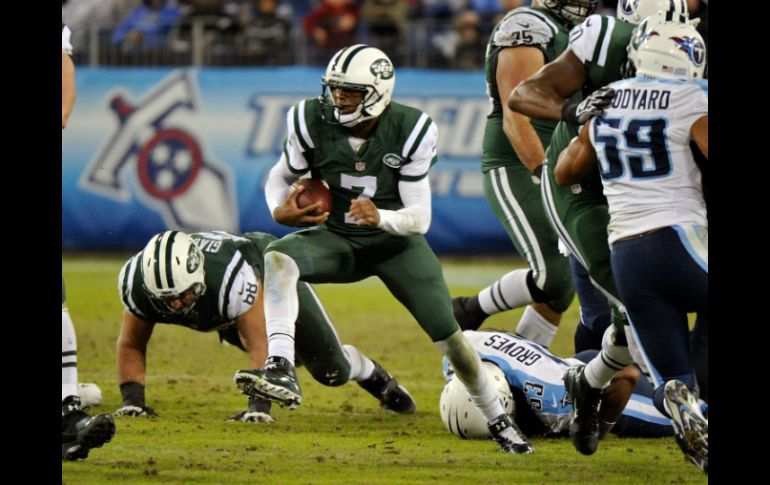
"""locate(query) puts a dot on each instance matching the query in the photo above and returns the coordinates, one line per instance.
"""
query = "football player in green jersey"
(79, 431)
(213, 281)
(375, 155)
(595, 57)
(521, 43)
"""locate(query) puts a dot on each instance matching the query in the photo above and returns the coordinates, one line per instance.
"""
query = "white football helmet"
(172, 264)
(359, 68)
(460, 415)
(668, 50)
(573, 11)
(634, 11)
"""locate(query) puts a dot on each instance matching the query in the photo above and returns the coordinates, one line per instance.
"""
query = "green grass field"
(338, 435)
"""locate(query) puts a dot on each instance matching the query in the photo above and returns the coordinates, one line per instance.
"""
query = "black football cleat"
(277, 381)
(388, 391)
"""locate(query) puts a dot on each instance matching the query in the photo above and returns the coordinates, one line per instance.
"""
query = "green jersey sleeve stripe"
(415, 178)
(297, 122)
(127, 277)
(606, 41)
(229, 277)
(408, 145)
(285, 158)
(420, 137)
(600, 50)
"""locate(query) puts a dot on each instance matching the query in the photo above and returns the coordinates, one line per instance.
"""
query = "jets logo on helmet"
(360, 68)
(382, 68)
(193, 260)
(172, 272)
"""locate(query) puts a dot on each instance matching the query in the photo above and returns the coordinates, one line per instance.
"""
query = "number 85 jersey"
(231, 264)
(642, 144)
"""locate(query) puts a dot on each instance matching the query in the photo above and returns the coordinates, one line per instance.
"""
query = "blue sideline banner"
(151, 149)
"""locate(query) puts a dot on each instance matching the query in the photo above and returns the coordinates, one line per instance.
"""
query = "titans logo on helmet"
(694, 48)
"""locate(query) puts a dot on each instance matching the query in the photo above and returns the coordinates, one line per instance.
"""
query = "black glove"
(593, 105)
(133, 401)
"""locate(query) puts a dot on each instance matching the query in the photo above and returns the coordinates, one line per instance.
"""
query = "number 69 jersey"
(231, 264)
(642, 143)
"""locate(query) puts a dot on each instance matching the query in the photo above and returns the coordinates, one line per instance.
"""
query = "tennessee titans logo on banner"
(173, 175)
(694, 48)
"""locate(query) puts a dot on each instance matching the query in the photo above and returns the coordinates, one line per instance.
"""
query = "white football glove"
(90, 394)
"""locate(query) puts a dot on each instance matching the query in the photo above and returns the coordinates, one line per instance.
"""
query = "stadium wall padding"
(189, 149)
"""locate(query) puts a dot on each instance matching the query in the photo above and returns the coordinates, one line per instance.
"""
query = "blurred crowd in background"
(444, 34)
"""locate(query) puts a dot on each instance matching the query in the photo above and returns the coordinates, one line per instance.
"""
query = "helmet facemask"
(370, 97)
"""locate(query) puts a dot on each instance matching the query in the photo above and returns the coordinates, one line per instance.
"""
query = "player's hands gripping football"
(289, 214)
(363, 212)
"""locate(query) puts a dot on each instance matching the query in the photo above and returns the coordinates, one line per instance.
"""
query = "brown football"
(316, 190)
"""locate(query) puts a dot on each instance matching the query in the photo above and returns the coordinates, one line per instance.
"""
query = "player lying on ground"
(528, 379)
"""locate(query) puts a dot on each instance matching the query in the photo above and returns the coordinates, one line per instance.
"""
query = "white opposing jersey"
(531, 368)
(66, 47)
(642, 143)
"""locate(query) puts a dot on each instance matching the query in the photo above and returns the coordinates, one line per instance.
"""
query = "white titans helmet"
(172, 264)
(668, 50)
(359, 68)
(460, 415)
(634, 11)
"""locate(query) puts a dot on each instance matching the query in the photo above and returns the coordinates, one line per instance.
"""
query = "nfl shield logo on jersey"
(360, 166)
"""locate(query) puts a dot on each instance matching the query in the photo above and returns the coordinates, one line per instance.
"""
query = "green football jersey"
(600, 43)
(231, 265)
(521, 26)
(401, 147)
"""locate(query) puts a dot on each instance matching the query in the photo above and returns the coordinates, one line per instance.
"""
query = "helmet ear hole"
(458, 413)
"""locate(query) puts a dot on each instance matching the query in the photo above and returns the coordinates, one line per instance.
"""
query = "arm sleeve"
(414, 218)
(293, 163)
(278, 182)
